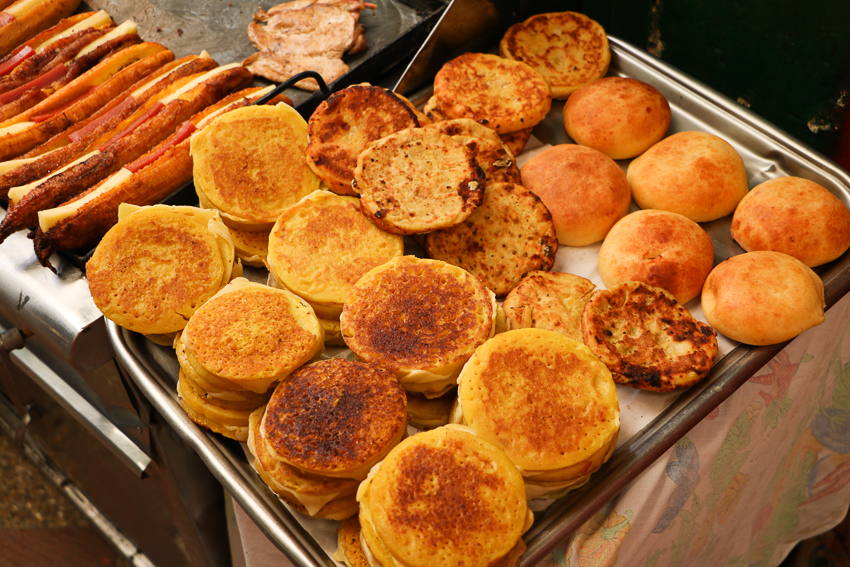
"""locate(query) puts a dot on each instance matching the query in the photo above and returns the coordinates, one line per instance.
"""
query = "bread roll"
(763, 298)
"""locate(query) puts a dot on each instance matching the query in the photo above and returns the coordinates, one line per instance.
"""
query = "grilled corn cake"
(428, 413)
(250, 164)
(548, 300)
(567, 48)
(349, 551)
(335, 418)
(510, 233)
(422, 319)
(417, 180)
(546, 401)
(648, 339)
(320, 246)
(158, 265)
(232, 423)
(516, 141)
(252, 335)
(251, 247)
(491, 154)
(345, 123)
(444, 497)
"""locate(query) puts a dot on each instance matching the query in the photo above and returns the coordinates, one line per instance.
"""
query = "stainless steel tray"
(767, 153)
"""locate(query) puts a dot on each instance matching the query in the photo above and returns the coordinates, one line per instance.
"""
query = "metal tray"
(767, 152)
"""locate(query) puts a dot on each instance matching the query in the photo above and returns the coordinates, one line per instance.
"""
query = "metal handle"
(92, 419)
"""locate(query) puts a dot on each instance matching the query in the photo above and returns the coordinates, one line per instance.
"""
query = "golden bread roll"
(585, 190)
(620, 117)
(417, 180)
(548, 300)
(695, 174)
(763, 298)
(158, 265)
(510, 233)
(546, 401)
(250, 164)
(660, 248)
(503, 94)
(567, 48)
(476, 517)
(320, 246)
(343, 125)
(796, 216)
(646, 338)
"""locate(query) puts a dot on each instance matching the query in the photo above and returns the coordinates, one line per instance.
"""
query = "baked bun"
(795, 216)
(659, 248)
(585, 191)
(618, 116)
(763, 298)
(695, 174)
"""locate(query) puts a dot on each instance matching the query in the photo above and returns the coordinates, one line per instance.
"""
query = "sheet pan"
(651, 423)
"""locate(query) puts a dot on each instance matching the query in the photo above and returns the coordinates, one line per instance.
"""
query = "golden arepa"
(661, 248)
(320, 247)
(763, 298)
(585, 191)
(252, 335)
(516, 141)
(232, 400)
(231, 423)
(335, 418)
(417, 180)
(695, 174)
(444, 497)
(159, 264)
(345, 123)
(567, 48)
(492, 155)
(510, 233)
(548, 300)
(349, 551)
(646, 338)
(503, 94)
(546, 401)
(796, 216)
(251, 164)
(422, 319)
(312, 495)
(619, 116)
(428, 413)
(251, 247)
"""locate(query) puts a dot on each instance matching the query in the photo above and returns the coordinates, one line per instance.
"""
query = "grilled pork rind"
(320, 246)
(509, 234)
(417, 180)
(29, 21)
(154, 268)
(344, 124)
(477, 516)
(567, 48)
(647, 339)
(502, 94)
(422, 319)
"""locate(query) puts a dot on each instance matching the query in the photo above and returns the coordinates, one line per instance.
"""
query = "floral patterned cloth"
(768, 468)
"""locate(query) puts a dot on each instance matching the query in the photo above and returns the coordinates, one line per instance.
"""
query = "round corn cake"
(319, 247)
(349, 549)
(763, 298)
(231, 400)
(548, 300)
(157, 266)
(251, 247)
(796, 216)
(503, 94)
(421, 319)
(476, 518)
(345, 123)
(510, 233)
(417, 180)
(464, 127)
(428, 413)
(660, 248)
(335, 418)
(648, 339)
(621, 117)
(516, 141)
(250, 164)
(567, 48)
(252, 335)
(495, 159)
(227, 417)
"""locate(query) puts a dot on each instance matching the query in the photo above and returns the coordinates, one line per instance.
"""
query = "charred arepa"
(476, 518)
(546, 401)
(421, 319)
(648, 339)
(492, 155)
(158, 265)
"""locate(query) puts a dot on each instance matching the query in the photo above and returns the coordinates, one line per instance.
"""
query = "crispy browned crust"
(34, 22)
